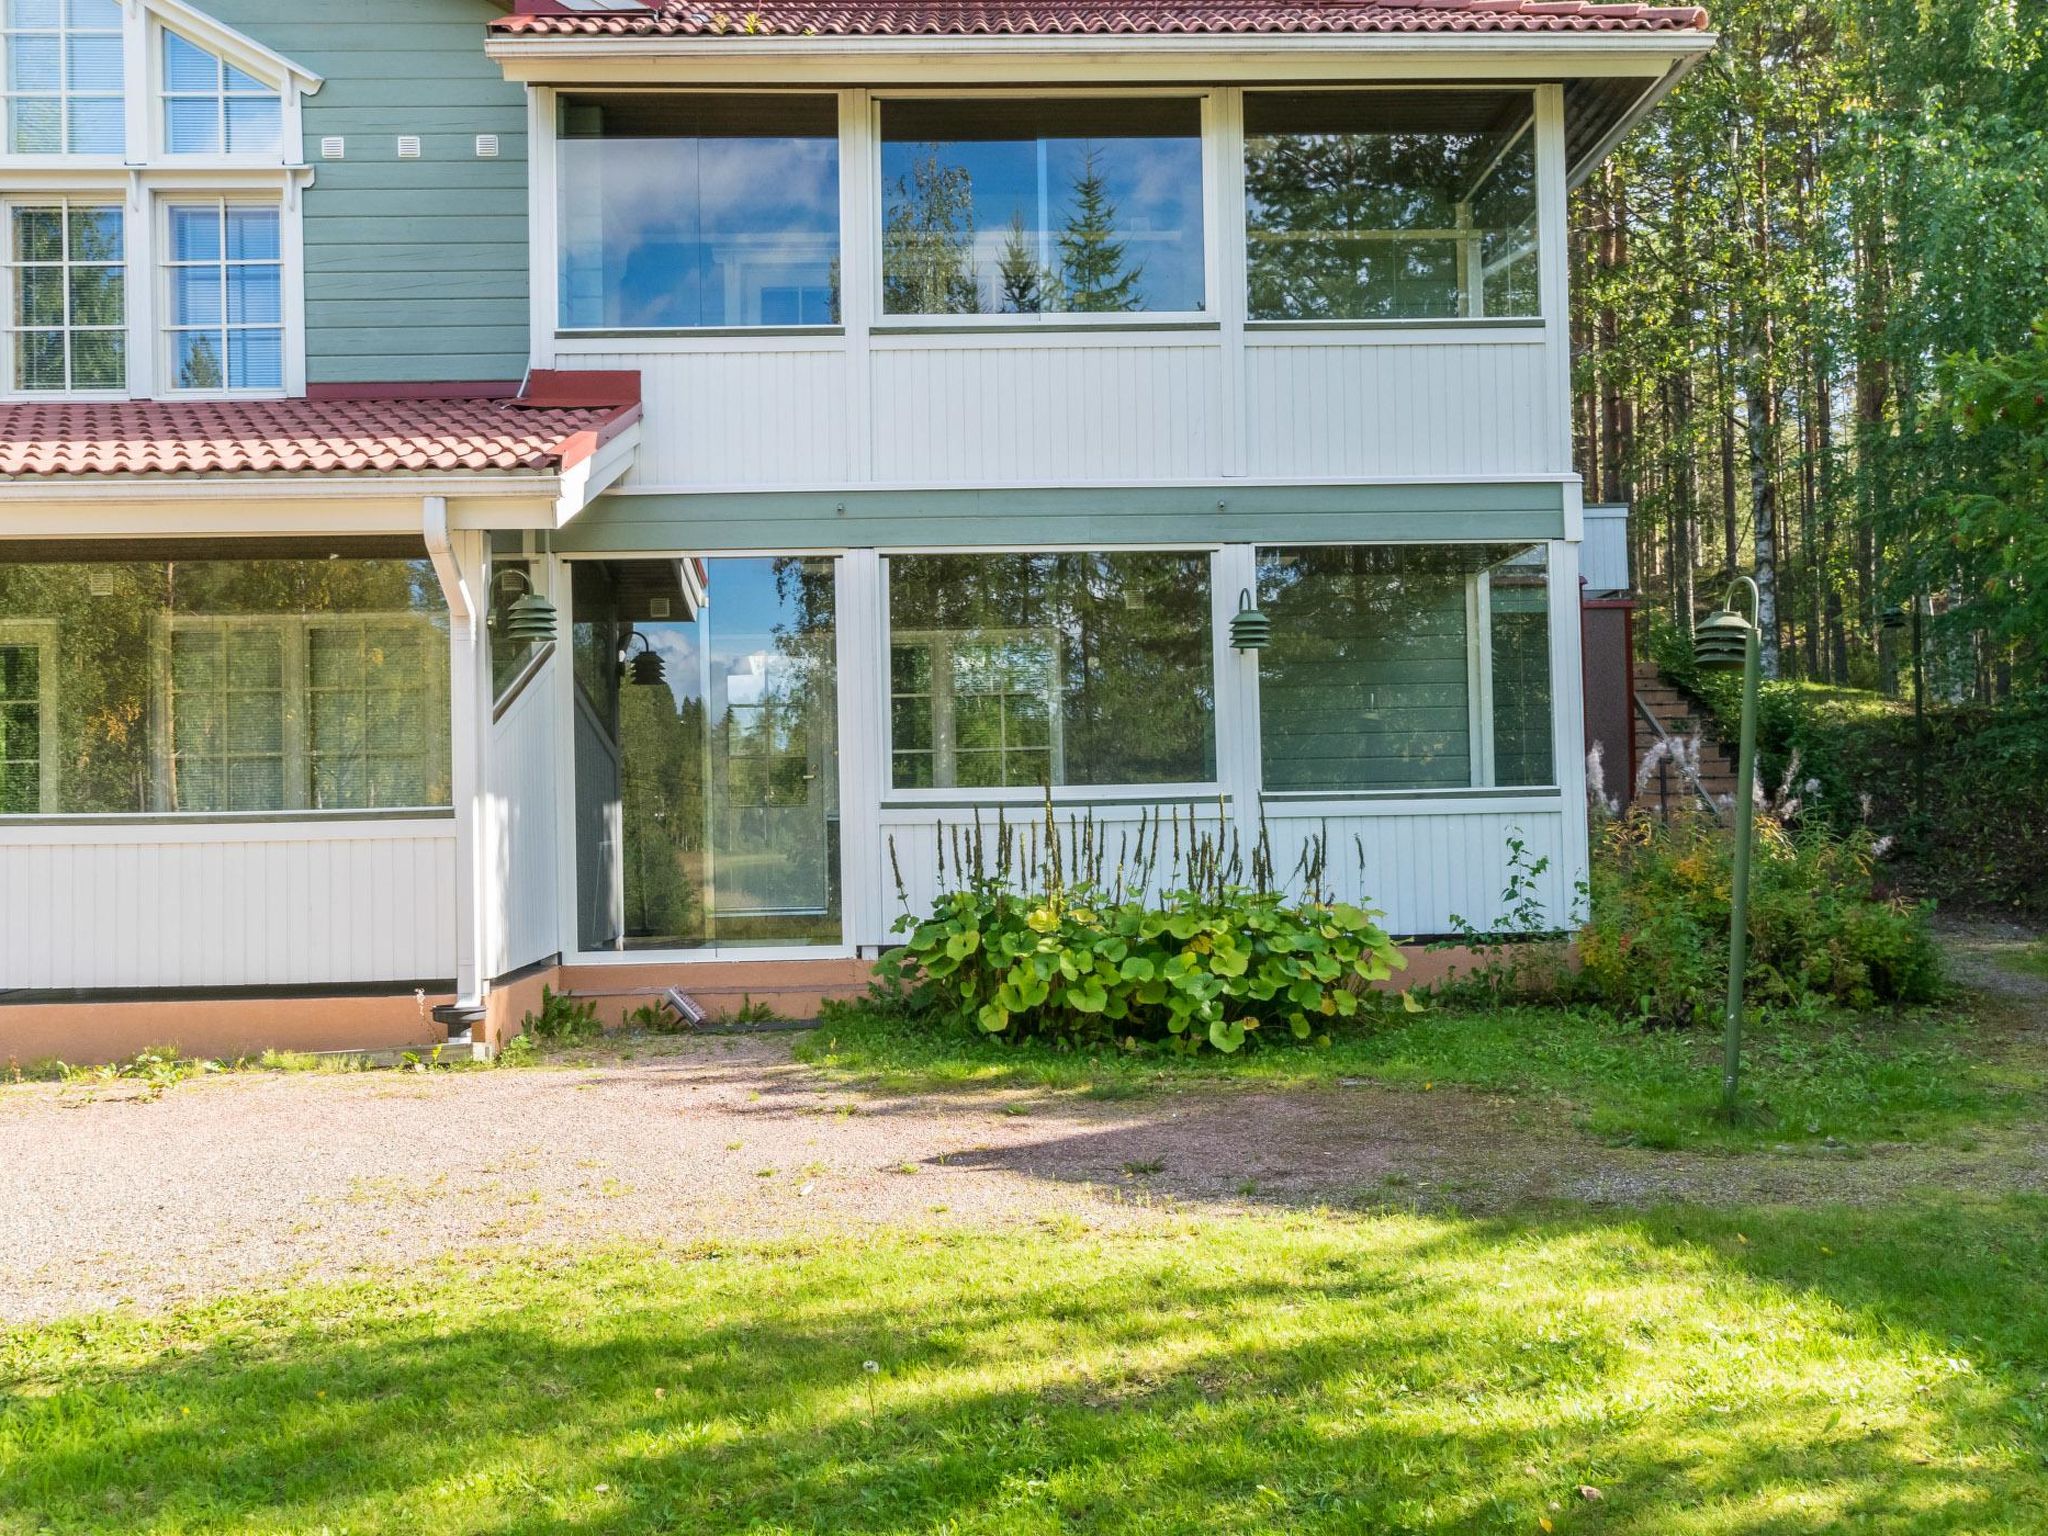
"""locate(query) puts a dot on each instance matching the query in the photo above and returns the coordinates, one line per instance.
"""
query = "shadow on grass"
(1786, 1371)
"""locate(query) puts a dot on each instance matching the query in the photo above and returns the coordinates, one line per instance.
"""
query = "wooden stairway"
(1677, 713)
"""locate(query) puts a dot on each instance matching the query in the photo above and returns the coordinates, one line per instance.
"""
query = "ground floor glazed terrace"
(247, 767)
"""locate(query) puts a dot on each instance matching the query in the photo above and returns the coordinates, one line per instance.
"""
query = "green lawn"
(1761, 1372)
(1922, 1076)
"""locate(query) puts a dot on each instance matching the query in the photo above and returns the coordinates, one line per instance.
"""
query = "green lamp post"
(1727, 642)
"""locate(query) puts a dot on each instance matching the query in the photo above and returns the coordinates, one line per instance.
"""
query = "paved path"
(109, 1197)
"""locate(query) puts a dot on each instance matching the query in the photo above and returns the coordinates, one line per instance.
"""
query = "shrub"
(1656, 945)
(1077, 965)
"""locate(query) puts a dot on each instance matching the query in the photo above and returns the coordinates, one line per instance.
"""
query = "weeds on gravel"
(1673, 1373)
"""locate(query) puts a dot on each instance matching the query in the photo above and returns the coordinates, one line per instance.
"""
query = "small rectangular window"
(1029, 670)
(213, 108)
(1401, 667)
(225, 270)
(66, 298)
(1042, 207)
(1391, 205)
(61, 77)
(682, 211)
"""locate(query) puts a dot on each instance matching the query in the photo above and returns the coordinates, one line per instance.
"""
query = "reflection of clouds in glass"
(676, 644)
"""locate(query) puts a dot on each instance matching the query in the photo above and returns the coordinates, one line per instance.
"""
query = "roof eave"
(849, 59)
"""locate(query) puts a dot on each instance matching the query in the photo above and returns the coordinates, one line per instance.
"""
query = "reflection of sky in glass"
(1154, 184)
(747, 659)
(661, 233)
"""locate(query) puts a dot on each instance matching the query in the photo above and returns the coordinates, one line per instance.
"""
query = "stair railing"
(1650, 717)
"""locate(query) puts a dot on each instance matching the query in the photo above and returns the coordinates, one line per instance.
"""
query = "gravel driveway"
(111, 1197)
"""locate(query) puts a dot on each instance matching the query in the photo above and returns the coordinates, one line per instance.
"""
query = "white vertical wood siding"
(1603, 557)
(1114, 408)
(157, 904)
(1423, 866)
(752, 416)
(1005, 414)
(519, 769)
(1383, 411)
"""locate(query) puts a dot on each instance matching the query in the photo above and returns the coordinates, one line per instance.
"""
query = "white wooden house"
(595, 494)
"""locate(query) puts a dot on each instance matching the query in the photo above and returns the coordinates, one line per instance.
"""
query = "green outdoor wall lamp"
(1725, 641)
(530, 618)
(646, 668)
(1251, 630)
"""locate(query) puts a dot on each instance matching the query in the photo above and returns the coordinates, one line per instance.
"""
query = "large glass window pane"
(1391, 205)
(65, 298)
(211, 107)
(209, 685)
(707, 777)
(63, 77)
(1029, 670)
(699, 210)
(1405, 667)
(226, 276)
(1042, 207)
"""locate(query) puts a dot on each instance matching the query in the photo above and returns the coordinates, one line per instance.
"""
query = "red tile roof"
(358, 433)
(969, 18)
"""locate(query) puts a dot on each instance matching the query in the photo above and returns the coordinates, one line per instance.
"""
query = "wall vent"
(408, 146)
(487, 146)
(334, 148)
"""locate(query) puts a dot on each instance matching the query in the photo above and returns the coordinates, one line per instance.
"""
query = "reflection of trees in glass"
(1133, 685)
(109, 627)
(199, 365)
(928, 241)
(662, 789)
(1320, 208)
(1093, 268)
(1023, 282)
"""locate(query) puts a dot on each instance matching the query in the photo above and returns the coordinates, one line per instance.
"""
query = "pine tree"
(1092, 263)
(1027, 286)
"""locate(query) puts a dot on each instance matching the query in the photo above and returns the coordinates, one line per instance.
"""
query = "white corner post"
(1568, 715)
(459, 561)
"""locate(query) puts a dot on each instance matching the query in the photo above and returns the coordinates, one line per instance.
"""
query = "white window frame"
(1208, 319)
(11, 324)
(1480, 323)
(40, 635)
(167, 330)
(276, 87)
(148, 175)
(883, 689)
(544, 205)
(943, 697)
(64, 94)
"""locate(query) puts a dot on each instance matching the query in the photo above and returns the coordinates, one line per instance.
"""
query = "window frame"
(11, 387)
(544, 209)
(1481, 767)
(160, 96)
(42, 636)
(1532, 131)
(1209, 791)
(1209, 319)
(164, 329)
(64, 95)
(297, 755)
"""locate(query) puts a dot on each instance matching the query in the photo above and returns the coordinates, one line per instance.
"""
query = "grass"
(1670, 1373)
(2030, 961)
(1916, 1076)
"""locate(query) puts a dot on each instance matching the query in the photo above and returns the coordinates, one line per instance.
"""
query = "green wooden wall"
(415, 269)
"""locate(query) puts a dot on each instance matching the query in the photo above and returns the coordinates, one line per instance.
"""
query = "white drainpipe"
(466, 747)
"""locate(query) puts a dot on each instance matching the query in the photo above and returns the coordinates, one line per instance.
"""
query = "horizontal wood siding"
(1386, 410)
(520, 818)
(218, 905)
(415, 269)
